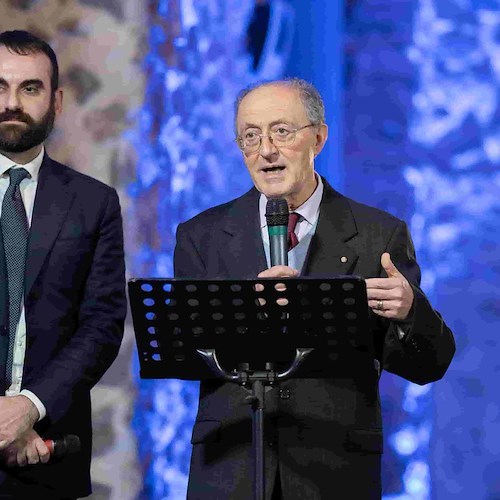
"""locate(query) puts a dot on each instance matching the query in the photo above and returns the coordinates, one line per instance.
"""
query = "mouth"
(13, 121)
(273, 169)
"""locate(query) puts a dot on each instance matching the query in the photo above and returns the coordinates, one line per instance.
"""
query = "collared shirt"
(28, 190)
(309, 212)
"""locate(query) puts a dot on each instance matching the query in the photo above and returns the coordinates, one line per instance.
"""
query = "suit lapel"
(241, 240)
(52, 201)
(242, 249)
(329, 253)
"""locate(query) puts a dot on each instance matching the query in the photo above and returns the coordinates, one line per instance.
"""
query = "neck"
(23, 157)
(295, 201)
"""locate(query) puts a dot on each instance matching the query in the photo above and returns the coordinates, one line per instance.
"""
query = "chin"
(273, 193)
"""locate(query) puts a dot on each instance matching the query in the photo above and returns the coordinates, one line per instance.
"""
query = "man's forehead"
(270, 103)
(26, 67)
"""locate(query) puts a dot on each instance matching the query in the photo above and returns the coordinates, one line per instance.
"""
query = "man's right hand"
(276, 272)
(279, 272)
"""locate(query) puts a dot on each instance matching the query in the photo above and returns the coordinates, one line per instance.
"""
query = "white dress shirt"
(28, 190)
(309, 212)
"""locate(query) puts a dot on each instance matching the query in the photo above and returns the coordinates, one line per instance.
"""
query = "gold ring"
(380, 305)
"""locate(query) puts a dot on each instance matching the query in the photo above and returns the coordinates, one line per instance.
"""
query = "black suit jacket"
(325, 434)
(75, 308)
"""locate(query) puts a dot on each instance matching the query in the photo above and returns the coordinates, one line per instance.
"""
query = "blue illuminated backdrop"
(455, 177)
(421, 139)
(197, 62)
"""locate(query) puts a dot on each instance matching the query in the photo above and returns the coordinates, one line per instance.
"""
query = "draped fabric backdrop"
(99, 44)
(412, 95)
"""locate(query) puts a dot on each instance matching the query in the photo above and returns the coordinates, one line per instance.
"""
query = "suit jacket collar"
(243, 249)
(329, 253)
(52, 201)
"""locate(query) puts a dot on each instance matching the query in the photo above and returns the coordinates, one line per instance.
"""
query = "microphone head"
(72, 443)
(68, 445)
(277, 212)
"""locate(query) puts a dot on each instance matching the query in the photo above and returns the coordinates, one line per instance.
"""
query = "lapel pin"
(343, 259)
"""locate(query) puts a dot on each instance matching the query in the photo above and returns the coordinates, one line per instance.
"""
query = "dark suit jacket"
(75, 308)
(325, 434)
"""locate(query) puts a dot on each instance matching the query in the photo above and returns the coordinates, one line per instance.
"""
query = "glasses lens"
(249, 145)
(283, 135)
(251, 148)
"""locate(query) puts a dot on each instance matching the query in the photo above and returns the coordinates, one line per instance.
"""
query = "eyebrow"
(35, 82)
(274, 122)
(26, 83)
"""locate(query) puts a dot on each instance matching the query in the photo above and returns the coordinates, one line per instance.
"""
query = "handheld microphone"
(277, 225)
(61, 447)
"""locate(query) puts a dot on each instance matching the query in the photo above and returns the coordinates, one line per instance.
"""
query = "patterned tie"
(292, 237)
(15, 241)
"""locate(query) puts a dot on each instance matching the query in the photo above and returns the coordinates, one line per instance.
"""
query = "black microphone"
(61, 447)
(277, 226)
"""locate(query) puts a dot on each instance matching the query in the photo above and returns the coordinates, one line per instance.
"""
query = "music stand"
(242, 330)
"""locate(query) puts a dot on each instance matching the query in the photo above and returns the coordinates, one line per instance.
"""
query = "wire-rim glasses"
(280, 135)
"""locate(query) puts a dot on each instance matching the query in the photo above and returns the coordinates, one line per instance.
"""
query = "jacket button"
(284, 394)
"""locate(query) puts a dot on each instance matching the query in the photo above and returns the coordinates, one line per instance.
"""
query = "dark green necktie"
(15, 241)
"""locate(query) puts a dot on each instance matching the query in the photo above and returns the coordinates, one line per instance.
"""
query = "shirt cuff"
(34, 399)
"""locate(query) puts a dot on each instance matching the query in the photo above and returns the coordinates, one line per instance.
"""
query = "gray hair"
(311, 98)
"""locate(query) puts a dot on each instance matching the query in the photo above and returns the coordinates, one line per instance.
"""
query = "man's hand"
(276, 272)
(279, 272)
(17, 416)
(390, 297)
(28, 449)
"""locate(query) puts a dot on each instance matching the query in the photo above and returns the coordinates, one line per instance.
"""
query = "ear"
(321, 137)
(58, 101)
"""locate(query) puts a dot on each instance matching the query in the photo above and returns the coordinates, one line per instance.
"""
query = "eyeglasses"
(280, 135)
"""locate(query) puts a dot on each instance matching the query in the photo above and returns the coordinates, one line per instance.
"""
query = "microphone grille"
(72, 443)
(277, 212)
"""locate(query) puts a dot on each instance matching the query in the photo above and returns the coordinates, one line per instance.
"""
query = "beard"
(18, 138)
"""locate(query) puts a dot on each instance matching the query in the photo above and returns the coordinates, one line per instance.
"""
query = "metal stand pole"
(258, 380)
(258, 390)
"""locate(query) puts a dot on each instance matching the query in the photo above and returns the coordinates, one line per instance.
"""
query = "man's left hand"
(17, 415)
(390, 297)
(29, 449)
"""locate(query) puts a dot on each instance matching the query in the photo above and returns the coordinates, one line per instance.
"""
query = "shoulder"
(361, 212)
(82, 183)
(372, 214)
(226, 213)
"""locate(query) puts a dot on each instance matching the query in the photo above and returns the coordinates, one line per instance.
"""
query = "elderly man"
(323, 437)
(62, 284)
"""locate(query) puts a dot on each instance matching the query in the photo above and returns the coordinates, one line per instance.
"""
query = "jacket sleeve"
(426, 350)
(95, 343)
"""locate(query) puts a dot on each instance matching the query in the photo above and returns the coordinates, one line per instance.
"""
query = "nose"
(12, 101)
(267, 146)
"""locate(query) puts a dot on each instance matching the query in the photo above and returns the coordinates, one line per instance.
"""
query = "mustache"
(15, 115)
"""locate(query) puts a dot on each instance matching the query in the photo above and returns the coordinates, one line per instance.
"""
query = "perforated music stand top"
(175, 317)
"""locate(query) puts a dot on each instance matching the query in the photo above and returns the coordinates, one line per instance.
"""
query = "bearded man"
(62, 284)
